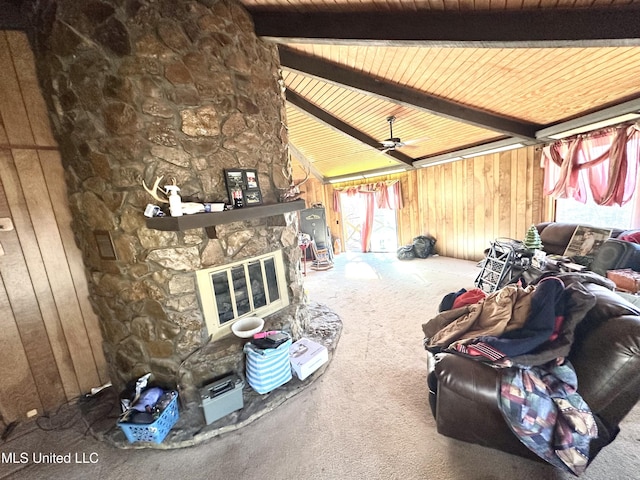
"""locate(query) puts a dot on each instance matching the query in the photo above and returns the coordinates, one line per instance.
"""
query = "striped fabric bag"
(269, 368)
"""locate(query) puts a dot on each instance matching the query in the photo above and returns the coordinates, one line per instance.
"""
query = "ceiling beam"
(591, 121)
(551, 27)
(306, 163)
(487, 148)
(353, 80)
(342, 127)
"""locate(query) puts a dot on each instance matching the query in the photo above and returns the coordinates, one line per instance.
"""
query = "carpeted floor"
(367, 417)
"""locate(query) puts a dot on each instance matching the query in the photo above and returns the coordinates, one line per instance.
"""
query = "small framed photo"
(252, 197)
(252, 179)
(243, 187)
(586, 241)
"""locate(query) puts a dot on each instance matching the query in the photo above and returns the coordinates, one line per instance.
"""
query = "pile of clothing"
(526, 333)
(144, 404)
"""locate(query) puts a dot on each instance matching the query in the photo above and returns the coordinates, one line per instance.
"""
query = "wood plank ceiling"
(456, 75)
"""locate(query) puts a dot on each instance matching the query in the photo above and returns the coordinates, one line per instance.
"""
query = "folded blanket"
(542, 407)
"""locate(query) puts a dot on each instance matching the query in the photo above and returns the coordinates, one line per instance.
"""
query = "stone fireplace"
(182, 89)
(252, 287)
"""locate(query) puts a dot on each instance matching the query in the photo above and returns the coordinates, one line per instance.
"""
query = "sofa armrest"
(606, 357)
(467, 408)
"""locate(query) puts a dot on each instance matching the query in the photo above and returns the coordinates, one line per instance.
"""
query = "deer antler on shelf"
(292, 192)
(157, 188)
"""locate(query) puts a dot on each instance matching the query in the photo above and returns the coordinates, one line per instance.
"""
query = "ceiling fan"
(392, 142)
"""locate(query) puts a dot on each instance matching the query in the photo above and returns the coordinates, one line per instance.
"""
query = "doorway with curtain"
(362, 216)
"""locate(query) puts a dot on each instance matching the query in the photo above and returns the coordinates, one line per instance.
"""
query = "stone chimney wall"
(181, 89)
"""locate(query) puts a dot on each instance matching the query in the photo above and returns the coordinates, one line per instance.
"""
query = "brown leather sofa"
(555, 236)
(464, 393)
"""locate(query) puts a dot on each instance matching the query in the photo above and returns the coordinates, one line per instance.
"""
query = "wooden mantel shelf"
(203, 220)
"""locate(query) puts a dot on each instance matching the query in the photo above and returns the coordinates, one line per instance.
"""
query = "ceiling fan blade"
(358, 152)
(414, 141)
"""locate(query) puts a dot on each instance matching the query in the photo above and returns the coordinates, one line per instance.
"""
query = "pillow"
(632, 236)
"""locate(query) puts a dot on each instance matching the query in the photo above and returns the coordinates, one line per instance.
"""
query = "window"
(589, 213)
(571, 211)
(256, 286)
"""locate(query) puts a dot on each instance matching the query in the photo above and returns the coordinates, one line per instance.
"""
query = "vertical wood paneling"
(520, 196)
(48, 327)
(504, 192)
(38, 276)
(469, 186)
(431, 183)
(18, 390)
(502, 196)
(446, 196)
(51, 163)
(15, 118)
(35, 107)
(467, 204)
(56, 263)
(479, 198)
(26, 311)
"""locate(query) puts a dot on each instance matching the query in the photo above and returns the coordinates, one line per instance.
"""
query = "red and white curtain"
(605, 162)
(383, 194)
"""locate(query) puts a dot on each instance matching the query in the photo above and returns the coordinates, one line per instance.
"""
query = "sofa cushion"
(556, 236)
(609, 304)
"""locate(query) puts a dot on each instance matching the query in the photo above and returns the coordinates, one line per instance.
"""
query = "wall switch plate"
(6, 224)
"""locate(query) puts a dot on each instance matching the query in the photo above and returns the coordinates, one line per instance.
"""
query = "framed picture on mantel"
(243, 187)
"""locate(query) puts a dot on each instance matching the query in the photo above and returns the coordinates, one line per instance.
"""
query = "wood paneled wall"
(464, 204)
(468, 203)
(49, 335)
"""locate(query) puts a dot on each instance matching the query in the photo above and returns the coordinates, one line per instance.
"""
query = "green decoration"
(532, 239)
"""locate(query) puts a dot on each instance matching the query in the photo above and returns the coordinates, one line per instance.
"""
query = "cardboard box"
(307, 356)
(625, 279)
(222, 397)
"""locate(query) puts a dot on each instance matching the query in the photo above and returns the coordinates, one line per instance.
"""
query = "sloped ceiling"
(458, 76)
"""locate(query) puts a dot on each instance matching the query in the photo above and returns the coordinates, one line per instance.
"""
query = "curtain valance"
(387, 194)
(605, 162)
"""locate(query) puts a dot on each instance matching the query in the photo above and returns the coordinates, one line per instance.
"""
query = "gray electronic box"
(222, 397)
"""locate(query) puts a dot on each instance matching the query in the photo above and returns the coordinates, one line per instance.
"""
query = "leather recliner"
(605, 354)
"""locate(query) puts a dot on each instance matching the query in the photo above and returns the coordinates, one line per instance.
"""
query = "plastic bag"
(423, 246)
(406, 253)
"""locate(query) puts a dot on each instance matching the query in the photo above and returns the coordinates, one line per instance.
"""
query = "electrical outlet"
(6, 224)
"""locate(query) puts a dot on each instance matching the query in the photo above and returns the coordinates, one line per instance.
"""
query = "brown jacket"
(504, 310)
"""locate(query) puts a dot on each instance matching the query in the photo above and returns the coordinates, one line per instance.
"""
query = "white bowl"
(247, 327)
